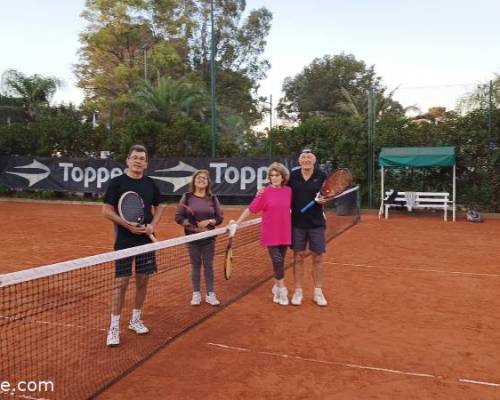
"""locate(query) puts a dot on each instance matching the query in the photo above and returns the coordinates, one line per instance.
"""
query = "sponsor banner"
(231, 176)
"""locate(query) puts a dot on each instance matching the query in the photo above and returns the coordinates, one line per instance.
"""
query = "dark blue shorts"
(314, 236)
(144, 264)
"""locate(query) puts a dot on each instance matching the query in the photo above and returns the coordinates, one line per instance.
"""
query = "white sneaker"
(196, 299)
(283, 296)
(113, 338)
(138, 327)
(211, 299)
(319, 298)
(275, 292)
(297, 297)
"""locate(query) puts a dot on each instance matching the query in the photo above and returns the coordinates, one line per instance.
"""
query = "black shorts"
(144, 264)
(314, 236)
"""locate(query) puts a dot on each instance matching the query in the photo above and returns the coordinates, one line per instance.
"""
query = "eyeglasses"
(201, 178)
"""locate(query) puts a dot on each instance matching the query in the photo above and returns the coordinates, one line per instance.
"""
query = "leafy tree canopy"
(333, 85)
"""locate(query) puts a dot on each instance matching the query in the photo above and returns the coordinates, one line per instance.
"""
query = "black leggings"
(278, 254)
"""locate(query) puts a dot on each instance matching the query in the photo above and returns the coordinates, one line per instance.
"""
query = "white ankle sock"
(115, 321)
(136, 314)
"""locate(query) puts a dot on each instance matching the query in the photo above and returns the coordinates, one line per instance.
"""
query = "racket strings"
(336, 183)
(132, 208)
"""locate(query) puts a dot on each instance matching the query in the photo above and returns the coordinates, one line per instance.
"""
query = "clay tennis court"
(413, 313)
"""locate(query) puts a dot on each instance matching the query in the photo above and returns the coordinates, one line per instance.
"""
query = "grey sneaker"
(283, 296)
(113, 338)
(297, 297)
(196, 299)
(138, 327)
(275, 291)
(319, 298)
(211, 299)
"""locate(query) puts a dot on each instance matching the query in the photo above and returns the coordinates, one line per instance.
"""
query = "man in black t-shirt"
(307, 228)
(129, 236)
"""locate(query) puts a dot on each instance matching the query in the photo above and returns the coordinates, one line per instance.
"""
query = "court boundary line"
(357, 366)
(22, 396)
(366, 266)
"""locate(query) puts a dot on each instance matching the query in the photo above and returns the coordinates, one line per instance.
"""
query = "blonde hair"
(208, 190)
(280, 169)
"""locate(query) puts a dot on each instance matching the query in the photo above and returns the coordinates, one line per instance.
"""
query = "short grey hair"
(138, 148)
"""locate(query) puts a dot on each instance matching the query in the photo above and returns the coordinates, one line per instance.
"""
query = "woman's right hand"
(204, 223)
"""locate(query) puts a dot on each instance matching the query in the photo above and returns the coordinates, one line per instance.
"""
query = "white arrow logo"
(178, 182)
(33, 178)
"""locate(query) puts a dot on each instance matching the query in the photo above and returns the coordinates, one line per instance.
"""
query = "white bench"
(411, 200)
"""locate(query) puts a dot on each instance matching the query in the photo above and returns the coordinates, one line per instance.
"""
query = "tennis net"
(54, 319)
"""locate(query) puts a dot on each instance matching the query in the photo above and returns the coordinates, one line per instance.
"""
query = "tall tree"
(177, 35)
(240, 43)
(119, 39)
(33, 92)
(321, 88)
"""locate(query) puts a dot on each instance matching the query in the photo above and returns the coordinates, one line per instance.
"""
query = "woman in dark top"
(199, 211)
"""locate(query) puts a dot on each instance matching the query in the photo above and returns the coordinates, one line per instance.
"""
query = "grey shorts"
(314, 236)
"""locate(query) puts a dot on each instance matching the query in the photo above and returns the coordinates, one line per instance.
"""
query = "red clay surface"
(413, 310)
(412, 314)
(36, 233)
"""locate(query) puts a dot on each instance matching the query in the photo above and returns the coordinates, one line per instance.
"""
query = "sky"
(431, 51)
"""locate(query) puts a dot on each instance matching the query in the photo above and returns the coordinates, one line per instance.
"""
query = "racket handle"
(153, 238)
(307, 206)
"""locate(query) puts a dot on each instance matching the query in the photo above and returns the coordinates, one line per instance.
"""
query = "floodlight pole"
(212, 81)
(490, 110)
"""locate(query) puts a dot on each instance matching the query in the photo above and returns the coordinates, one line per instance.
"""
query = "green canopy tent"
(418, 157)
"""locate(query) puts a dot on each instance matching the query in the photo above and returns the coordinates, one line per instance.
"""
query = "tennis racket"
(333, 187)
(228, 259)
(131, 209)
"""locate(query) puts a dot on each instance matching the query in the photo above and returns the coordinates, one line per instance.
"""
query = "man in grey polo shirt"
(307, 228)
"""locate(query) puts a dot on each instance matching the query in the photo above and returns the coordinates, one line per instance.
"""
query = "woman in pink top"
(276, 230)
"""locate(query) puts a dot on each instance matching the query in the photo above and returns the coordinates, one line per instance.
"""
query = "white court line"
(414, 269)
(223, 346)
(28, 319)
(479, 382)
(392, 371)
(355, 366)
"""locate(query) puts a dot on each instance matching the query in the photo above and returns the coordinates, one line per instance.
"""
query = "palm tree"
(171, 97)
(33, 91)
(385, 103)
